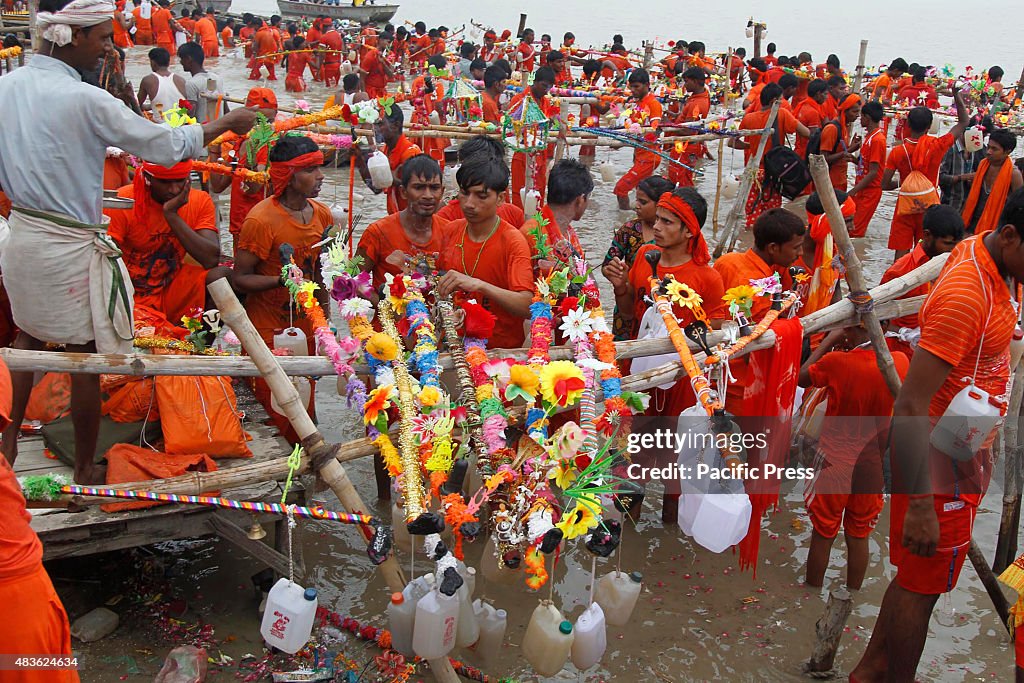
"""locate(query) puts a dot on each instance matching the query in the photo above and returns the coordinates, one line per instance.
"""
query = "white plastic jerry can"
(380, 170)
(548, 640)
(967, 424)
(437, 620)
(401, 617)
(590, 638)
(617, 593)
(288, 618)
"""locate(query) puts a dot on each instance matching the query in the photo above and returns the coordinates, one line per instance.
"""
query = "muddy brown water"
(698, 617)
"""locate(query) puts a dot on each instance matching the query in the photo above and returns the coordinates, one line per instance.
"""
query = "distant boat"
(378, 14)
(219, 6)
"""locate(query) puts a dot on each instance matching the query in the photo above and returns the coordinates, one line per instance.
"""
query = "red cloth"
(939, 573)
(776, 372)
(41, 626)
(281, 172)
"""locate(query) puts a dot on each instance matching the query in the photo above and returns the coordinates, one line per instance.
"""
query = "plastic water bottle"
(469, 629)
(492, 623)
(291, 339)
(380, 170)
(590, 639)
(401, 617)
(437, 621)
(548, 640)
(967, 424)
(617, 593)
(607, 169)
(288, 619)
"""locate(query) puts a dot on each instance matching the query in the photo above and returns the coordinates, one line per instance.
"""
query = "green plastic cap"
(565, 627)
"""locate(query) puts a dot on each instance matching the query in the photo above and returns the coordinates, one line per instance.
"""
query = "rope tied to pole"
(862, 302)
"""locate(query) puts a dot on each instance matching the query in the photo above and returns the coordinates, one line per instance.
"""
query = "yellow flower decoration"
(389, 454)
(577, 521)
(683, 295)
(308, 288)
(429, 396)
(360, 327)
(561, 383)
(484, 392)
(382, 347)
(563, 474)
(740, 298)
(524, 379)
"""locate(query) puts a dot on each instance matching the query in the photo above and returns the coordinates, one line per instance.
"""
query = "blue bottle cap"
(310, 594)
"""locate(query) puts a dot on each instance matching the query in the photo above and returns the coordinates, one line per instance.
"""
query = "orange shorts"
(939, 573)
(856, 513)
(867, 203)
(40, 629)
(642, 168)
(906, 231)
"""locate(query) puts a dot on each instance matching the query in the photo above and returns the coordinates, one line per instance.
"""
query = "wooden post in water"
(758, 30)
(732, 221)
(859, 77)
(1006, 546)
(648, 53)
(522, 24)
(1020, 86)
(828, 631)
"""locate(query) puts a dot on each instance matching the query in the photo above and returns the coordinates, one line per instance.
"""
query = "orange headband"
(281, 172)
(143, 199)
(698, 247)
(849, 101)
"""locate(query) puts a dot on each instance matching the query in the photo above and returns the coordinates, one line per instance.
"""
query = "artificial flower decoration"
(308, 288)
(567, 304)
(768, 285)
(479, 321)
(523, 383)
(683, 295)
(577, 521)
(561, 383)
(740, 299)
(576, 325)
(377, 404)
(303, 106)
(498, 371)
(347, 286)
(382, 347)
(802, 277)
(429, 396)
(563, 474)
(567, 441)
(350, 308)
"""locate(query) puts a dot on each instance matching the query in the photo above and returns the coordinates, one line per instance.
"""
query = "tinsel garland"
(174, 345)
(240, 172)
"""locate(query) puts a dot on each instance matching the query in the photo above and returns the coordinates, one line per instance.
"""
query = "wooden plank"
(219, 523)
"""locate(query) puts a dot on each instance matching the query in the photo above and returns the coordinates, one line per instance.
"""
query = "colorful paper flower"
(577, 521)
(382, 347)
(350, 308)
(523, 383)
(561, 383)
(377, 402)
(429, 396)
(740, 298)
(563, 474)
(576, 325)
(682, 294)
(768, 285)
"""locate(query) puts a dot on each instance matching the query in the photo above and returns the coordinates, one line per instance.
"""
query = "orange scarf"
(989, 219)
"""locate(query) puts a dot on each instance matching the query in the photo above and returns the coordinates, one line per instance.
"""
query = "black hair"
(545, 35)
(350, 81)
(591, 67)
(995, 73)
(193, 51)
(478, 64)
(422, 165)
(545, 74)
(481, 145)
(525, 31)
(917, 73)
(1013, 211)
(770, 92)
(680, 67)
(160, 56)
(298, 42)
(568, 180)
(814, 205)
(758, 63)
(771, 48)
(804, 57)
(466, 49)
(697, 46)
(835, 81)
(639, 76)
(569, 35)
(494, 74)
(832, 60)
(290, 146)
(741, 52)
(554, 55)
(618, 39)
(505, 66)
(395, 117)
(788, 81)
(919, 119)
(420, 27)
(401, 31)
(437, 61)
(1003, 138)
(899, 64)
(654, 186)
(874, 110)
(483, 170)
(696, 202)
(433, 33)
(777, 226)
(816, 87)
(695, 72)
(942, 220)
(440, 29)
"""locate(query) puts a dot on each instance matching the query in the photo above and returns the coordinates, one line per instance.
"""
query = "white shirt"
(56, 130)
(196, 91)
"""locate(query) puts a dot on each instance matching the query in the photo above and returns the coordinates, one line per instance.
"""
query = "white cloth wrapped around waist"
(66, 282)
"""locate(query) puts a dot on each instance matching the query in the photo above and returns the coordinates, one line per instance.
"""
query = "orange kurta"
(143, 27)
(206, 30)
(510, 213)
(384, 237)
(502, 260)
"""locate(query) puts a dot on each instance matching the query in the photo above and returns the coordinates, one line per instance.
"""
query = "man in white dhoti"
(64, 276)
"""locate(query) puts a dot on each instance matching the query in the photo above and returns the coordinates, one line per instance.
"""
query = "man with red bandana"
(169, 221)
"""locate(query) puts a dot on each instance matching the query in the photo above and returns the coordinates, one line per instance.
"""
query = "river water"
(698, 618)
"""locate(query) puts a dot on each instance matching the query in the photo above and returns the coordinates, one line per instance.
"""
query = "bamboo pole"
(991, 583)
(828, 631)
(854, 269)
(1009, 524)
(322, 455)
(859, 77)
(732, 221)
(718, 189)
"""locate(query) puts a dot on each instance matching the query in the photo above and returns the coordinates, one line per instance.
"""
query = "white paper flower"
(594, 364)
(598, 324)
(576, 325)
(385, 376)
(350, 308)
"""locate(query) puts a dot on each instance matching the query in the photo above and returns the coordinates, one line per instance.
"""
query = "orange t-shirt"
(966, 321)
(151, 252)
(267, 227)
(491, 110)
(881, 89)
(527, 55)
(903, 265)
(115, 173)
(387, 235)
(264, 42)
(808, 113)
(227, 37)
(785, 121)
(503, 261)
(831, 144)
(621, 62)
(924, 155)
(510, 213)
(646, 112)
(161, 19)
(186, 23)
(143, 24)
(696, 107)
(872, 151)
(332, 41)
(859, 406)
(207, 30)
(704, 280)
(421, 47)
(403, 151)
(372, 65)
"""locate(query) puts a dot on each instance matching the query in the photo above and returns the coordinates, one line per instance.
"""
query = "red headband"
(143, 198)
(678, 206)
(281, 172)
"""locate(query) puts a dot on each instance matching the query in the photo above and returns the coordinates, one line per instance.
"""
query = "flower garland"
(155, 342)
(10, 52)
(244, 174)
